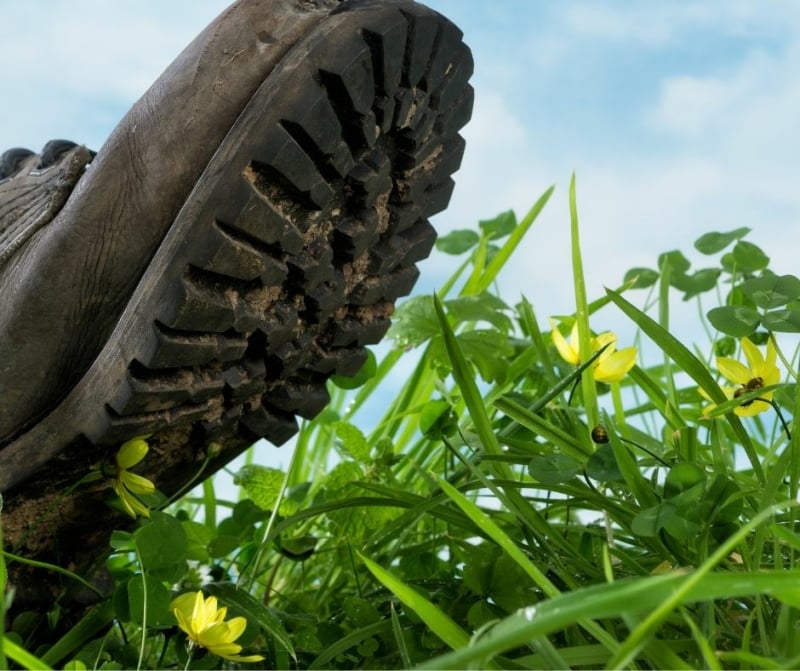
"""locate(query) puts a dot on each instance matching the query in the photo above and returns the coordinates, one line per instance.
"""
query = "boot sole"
(284, 261)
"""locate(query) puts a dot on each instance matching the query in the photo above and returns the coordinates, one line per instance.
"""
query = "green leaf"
(677, 262)
(457, 242)
(198, 536)
(414, 322)
(160, 542)
(602, 465)
(438, 621)
(644, 277)
(682, 477)
(650, 521)
(663, 593)
(782, 321)
(436, 419)
(725, 496)
(353, 441)
(360, 611)
(749, 257)
(553, 469)
(499, 227)
(772, 291)
(693, 367)
(493, 267)
(711, 243)
(725, 346)
(253, 610)
(21, 656)
(697, 283)
(734, 320)
(262, 484)
(491, 529)
(364, 374)
(148, 603)
(488, 352)
(299, 548)
(480, 307)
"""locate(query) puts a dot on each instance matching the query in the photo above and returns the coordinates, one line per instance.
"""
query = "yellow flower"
(762, 373)
(610, 366)
(128, 485)
(205, 626)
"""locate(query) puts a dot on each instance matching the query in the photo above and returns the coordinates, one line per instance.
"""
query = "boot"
(240, 237)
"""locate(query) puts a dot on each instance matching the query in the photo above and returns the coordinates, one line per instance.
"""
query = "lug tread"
(298, 269)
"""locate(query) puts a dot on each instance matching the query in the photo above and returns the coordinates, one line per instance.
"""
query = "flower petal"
(607, 340)
(614, 367)
(567, 352)
(755, 407)
(772, 353)
(245, 658)
(237, 626)
(753, 355)
(734, 370)
(136, 483)
(132, 452)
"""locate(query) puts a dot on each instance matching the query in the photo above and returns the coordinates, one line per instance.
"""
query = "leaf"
(498, 260)
(21, 656)
(697, 283)
(725, 346)
(602, 465)
(414, 322)
(365, 373)
(499, 227)
(262, 484)
(353, 441)
(253, 610)
(493, 531)
(438, 621)
(553, 469)
(682, 477)
(481, 307)
(436, 420)
(160, 542)
(650, 521)
(489, 353)
(198, 536)
(644, 277)
(734, 320)
(148, 602)
(749, 257)
(677, 262)
(711, 243)
(359, 611)
(783, 321)
(772, 291)
(691, 365)
(457, 242)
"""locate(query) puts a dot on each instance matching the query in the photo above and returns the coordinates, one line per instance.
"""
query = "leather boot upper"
(66, 283)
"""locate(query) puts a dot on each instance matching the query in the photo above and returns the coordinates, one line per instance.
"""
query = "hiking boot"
(240, 238)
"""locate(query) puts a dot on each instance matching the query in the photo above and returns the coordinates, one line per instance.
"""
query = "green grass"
(477, 523)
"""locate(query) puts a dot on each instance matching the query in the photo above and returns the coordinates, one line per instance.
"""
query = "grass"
(507, 510)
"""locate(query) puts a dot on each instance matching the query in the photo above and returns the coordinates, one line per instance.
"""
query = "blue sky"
(678, 118)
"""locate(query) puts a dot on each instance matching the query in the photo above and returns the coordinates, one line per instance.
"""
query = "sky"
(677, 118)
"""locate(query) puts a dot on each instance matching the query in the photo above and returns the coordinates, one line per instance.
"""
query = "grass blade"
(438, 622)
(693, 367)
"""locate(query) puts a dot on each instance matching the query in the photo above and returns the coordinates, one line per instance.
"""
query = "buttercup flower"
(128, 485)
(762, 373)
(610, 366)
(205, 626)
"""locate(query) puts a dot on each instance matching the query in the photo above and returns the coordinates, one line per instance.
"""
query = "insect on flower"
(760, 372)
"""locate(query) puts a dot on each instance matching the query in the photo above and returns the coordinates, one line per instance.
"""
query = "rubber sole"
(285, 260)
